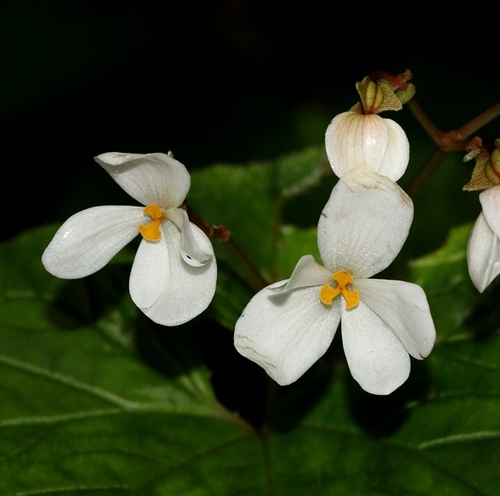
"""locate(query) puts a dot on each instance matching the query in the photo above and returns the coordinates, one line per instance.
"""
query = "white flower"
(174, 272)
(289, 325)
(483, 248)
(381, 144)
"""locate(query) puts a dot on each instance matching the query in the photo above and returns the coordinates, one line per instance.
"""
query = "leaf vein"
(68, 381)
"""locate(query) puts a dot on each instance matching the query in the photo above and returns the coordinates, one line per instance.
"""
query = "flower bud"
(486, 172)
(492, 168)
(380, 93)
(354, 138)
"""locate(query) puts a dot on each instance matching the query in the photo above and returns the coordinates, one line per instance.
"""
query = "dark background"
(223, 81)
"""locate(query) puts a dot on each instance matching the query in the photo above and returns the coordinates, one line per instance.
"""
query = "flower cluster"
(289, 325)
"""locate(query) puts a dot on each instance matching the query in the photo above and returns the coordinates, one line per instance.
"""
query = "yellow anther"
(151, 231)
(327, 294)
(343, 279)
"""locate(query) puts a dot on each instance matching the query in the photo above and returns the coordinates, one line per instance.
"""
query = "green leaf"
(95, 399)
(444, 274)
(250, 201)
(93, 394)
(298, 172)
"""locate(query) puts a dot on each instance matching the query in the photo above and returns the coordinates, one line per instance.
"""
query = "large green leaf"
(95, 399)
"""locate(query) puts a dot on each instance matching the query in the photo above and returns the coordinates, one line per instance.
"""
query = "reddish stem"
(454, 140)
(223, 234)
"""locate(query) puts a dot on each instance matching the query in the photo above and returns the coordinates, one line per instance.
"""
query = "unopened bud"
(406, 93)
(492, 168)
(486, 172)
(376, 96)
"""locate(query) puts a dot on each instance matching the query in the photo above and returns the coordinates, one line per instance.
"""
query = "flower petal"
(88, 240)
(381, 144)
(376, 358)
(307, 273)
(286, 334)
(192, 252)
(490, 202)
(151, 178)
(403, 307)
(167, 289)
(483, 254)
(364, 223)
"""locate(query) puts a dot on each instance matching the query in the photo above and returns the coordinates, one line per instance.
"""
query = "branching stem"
(455, 140)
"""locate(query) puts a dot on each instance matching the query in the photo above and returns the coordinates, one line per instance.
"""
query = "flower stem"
(455, 140)
(425, 171)
(256, 278)
(222, 234)
(481, 120)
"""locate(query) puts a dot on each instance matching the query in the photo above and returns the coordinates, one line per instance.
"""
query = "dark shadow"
(80, 302)
(484, 318)
(381, 416)
(245, 388)
(292, 403)
(170, 351)
(239, 384)
(282, 408)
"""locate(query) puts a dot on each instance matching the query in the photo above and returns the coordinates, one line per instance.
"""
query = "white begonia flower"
(483, 248)
(289, 325)
(381, 144)
(173, 277)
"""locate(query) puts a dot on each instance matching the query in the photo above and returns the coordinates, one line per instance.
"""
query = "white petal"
(307, 272)
(483, 254)
(286, 334)
(381, 144)
(364, 223)
(88, 240)
(150, 178)
(167, 289)
(490, 201)
(404, 309)
(193, 253)
(376, 358)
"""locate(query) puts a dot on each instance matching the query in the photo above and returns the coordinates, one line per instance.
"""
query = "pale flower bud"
(353, 138)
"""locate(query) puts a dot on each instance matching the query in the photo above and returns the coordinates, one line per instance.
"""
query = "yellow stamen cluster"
(151, 231)
(343, 279)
